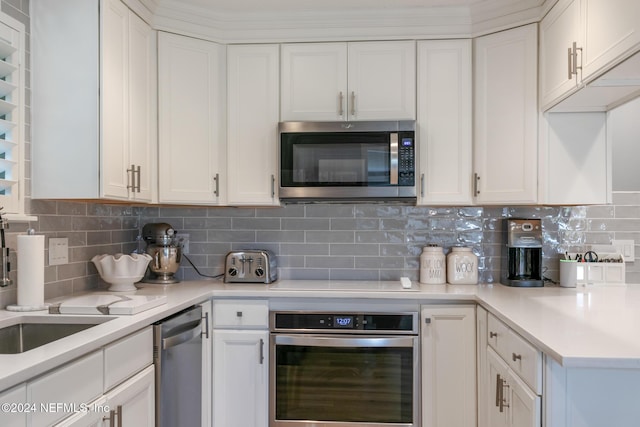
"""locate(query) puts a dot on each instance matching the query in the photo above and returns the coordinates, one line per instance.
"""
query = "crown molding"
(347, 25)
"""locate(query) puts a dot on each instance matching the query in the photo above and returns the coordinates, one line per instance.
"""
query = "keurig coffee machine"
(522, 253)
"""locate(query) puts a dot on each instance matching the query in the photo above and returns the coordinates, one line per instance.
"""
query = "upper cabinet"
(94, 101)
(192, 114)
(348, 81)
(252, 124)
(505, 117)
(580, 41)
(444, 121)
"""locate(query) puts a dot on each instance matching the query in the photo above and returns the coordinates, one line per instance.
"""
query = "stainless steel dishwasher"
(177, 356)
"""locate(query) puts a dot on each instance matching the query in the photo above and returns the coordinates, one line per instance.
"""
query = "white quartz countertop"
(589, 327)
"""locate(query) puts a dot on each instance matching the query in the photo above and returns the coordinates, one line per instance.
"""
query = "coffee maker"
(165, 253)
(522, 253)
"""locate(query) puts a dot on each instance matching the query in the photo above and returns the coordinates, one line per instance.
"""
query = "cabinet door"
(115, 100)
(524, 405)
(481, 354)
(444, 121)
(92, 417)
(448, 366)
(611, 32)
(506, 138)
(314, 81)
(192, 146)
(496, 387)
(14, 396)
(253, 99)
(241, 378)
(382, 81)
(143, 89)
(134, 400)
(558, 31)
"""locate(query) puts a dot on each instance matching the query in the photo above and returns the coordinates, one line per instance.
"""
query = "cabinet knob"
(493, 334)
(516, 357)
(238, 314)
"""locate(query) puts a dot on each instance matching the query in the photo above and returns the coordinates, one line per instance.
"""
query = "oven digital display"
(343, 321)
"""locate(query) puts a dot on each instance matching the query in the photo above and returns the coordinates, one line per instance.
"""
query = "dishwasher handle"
(195, 330)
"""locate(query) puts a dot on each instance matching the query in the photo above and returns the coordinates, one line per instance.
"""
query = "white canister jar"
(433, 266)
(462, 266)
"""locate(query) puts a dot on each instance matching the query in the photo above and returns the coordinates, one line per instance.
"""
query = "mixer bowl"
(121, 271)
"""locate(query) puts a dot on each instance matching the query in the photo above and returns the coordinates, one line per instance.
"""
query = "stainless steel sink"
(32, 332)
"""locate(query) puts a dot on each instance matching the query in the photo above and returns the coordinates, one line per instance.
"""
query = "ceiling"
(316, 20)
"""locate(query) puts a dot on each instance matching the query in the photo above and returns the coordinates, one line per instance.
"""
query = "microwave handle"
(393, 151)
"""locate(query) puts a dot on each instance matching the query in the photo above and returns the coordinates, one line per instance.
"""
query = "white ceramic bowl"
(121, 271)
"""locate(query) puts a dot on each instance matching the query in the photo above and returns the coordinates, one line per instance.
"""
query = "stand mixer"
(165, 254)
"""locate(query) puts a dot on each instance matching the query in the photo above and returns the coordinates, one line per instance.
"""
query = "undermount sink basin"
(30, 333)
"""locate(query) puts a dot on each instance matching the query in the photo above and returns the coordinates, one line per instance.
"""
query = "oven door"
(331, 380)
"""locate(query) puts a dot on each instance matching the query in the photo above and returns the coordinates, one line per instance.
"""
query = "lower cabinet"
(448, 337)
(240, 363)
(207, 362)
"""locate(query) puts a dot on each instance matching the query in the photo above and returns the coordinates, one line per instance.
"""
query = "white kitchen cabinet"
(506, 119)
(448, 336)
(513, 378)
(132, 403)
(579, 41)
(252, 124)
(348, 81)
(192, 137)
(95, 415)
(444, 121)
(575, 159)
(240, 363)
(94, 101)
(481, 364)
(559, 29)
(14, 397)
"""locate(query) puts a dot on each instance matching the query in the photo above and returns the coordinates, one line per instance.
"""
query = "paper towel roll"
(30, 270)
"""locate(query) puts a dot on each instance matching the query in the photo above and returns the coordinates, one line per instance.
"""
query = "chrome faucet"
(4, 254)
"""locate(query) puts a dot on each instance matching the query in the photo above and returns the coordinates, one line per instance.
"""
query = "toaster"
(250, 266)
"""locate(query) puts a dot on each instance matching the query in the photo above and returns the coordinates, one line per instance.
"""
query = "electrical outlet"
(58, 250)
(627, 248)
(182, 239)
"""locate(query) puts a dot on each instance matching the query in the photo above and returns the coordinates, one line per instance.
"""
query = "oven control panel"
(405, 323)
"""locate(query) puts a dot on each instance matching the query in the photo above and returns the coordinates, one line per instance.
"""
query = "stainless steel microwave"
(332, 161)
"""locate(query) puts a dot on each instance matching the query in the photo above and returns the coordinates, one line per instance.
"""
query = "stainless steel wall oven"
(344, 369)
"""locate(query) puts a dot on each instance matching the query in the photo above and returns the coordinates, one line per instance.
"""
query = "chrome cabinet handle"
(353, 103)
(575, 59)
(498, 390)
(503, 399)
(340, 104)
(493, 334)
(273, 186)
(422, 185)
(570, 64)
(216, 179)
(476, 180)
(261, 351)
(131, 178)
(137, 189)
(205, 333)
(119, 415)
(111, 418)
(516, 357)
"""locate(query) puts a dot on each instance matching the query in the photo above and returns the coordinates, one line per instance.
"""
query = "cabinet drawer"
(240, 314)
(127, 356)
(522, 357)
(15, 396)
(526, 361)
(72, 384)
(497, 335)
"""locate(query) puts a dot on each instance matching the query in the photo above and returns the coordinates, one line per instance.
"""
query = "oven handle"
(342, 341)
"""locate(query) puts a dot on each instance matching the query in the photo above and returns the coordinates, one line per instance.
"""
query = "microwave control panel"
(406, 161)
